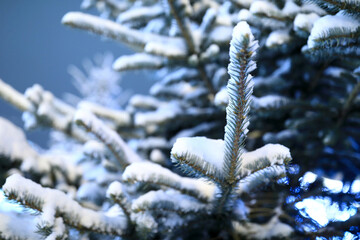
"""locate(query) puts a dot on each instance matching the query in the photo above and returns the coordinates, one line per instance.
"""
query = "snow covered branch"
(42, 108)
(160, 200)
(336, 35)
(16, 148)
(123, 154)
(151, 43)
(147, 172)
(194, 157)
(53, 203)
(12, 96)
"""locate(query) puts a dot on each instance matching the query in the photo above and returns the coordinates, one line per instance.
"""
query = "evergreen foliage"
(206, 154)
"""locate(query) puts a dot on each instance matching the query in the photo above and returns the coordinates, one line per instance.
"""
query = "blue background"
(36, 48)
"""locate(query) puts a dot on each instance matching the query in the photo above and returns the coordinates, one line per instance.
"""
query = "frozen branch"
(121, 151)
(16, 148)
(199, 156)
(50, 111)
(120, 118)
(337, 35)
(155, 174)
(15, 98)
(167, 201)
(242, 51)
(151, 43)
(266, 156)
(53, 203)
(117, 194)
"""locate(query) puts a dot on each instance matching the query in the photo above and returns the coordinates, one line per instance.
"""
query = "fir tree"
(108, 172)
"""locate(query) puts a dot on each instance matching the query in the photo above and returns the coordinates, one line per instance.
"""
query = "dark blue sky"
(36, 48)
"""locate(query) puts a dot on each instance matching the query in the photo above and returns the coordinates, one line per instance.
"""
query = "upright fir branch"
(242, 51)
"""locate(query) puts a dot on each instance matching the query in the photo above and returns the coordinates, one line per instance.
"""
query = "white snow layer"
(264, 7)
(154, 173)
(276, 153)
(244, 15)
(221, 98)
(240, 30)
(164, 113)
(210, 150)
(157, 156)
(269, 155)
(94, 148)
(138, 61)
(244, 3)
(305, 22)
(268, 102)
(168, 48)
(145, 220)
(143, 101)
(179, 201)
(221, 34)
(277, 37)
(212, 51)
(58, 230)
(323, 25)
(140, 13)
(290, 9)
(54, 201)
(115, 189)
